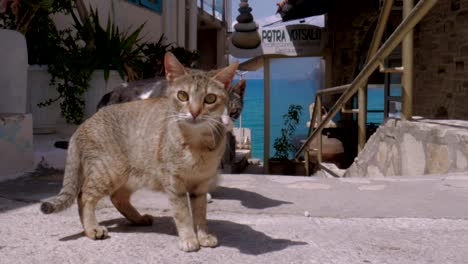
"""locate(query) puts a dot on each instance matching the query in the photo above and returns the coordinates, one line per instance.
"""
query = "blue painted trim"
(155, 5)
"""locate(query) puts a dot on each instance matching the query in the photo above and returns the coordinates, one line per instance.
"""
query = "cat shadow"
(243, 237)
(248, 199)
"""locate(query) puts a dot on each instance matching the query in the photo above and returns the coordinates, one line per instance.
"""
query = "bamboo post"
(362, 94)
(318, 108)
(407, 60)
(266, 113)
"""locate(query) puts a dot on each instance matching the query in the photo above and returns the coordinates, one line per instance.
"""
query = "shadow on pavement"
(248, 199)
(32, 188)
(243, 237)
(45, 183)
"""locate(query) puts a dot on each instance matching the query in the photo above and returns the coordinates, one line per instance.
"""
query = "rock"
(246, 27)
(244, 18)
(414, 161)
(382, 154)
(461, 161)
(245, 10)
(374, 171)
(245, 35)
(244, 5)
(246, 40)
(438, 160)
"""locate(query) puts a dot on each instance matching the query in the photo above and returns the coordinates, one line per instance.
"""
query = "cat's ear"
(173, 67)
(239, 87)
(226, 74)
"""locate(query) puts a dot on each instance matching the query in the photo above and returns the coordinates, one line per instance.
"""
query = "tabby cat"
(157, 87)
(171, 144)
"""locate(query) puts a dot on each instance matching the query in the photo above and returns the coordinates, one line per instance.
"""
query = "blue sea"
(282, 94)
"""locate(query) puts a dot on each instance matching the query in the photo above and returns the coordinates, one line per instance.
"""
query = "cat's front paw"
(189, 244)
(207, 240)
(96, 232)
(145, 220)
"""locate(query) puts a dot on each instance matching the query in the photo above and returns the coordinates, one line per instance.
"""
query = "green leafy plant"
(154, 57)
(110, 48)
(81, 51)
(20, 15)
(73, 54)
(33, 19)
(186, 57)
(71, 72)
(283, 144)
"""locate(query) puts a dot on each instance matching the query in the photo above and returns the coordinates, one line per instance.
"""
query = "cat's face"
(236, 99)
(197, 98)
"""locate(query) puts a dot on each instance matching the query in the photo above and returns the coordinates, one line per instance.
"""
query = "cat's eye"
(210, 98)
(182, 96)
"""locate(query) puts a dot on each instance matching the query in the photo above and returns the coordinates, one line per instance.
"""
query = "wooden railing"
(376, 57)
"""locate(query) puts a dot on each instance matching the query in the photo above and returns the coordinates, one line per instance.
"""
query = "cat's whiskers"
(211, 131)
(219, 129)
(214, 120)
(175, 117)
(157, 144)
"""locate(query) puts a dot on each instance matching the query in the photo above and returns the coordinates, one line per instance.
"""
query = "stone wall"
(414, 149)
(440, 53)
(349, 25)
(350, 28)
(441, 62)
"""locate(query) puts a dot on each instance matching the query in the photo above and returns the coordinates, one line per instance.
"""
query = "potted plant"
(284, 145)
(32, 20)
(91, 59)
(18, 18)
(153, 57)
(87, 61)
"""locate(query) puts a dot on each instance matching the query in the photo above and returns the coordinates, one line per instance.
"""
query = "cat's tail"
(71, 183)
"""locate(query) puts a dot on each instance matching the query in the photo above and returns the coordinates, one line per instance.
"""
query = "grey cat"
(157, 87)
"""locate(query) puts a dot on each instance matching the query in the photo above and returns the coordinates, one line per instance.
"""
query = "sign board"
(289, 40)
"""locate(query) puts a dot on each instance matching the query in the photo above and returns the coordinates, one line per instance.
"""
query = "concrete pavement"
(258, 219)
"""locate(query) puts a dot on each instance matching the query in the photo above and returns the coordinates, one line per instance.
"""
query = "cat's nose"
(195, 114)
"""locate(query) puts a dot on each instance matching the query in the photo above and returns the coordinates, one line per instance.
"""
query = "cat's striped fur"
(171, 144)
(156, 87)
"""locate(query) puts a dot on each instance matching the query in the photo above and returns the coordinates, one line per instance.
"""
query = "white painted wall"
(170, 20)
(97, 88)
(39, 90)
(192, 25)
(14, 72)
(178, 22)
(127, 16)
(181, 28)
